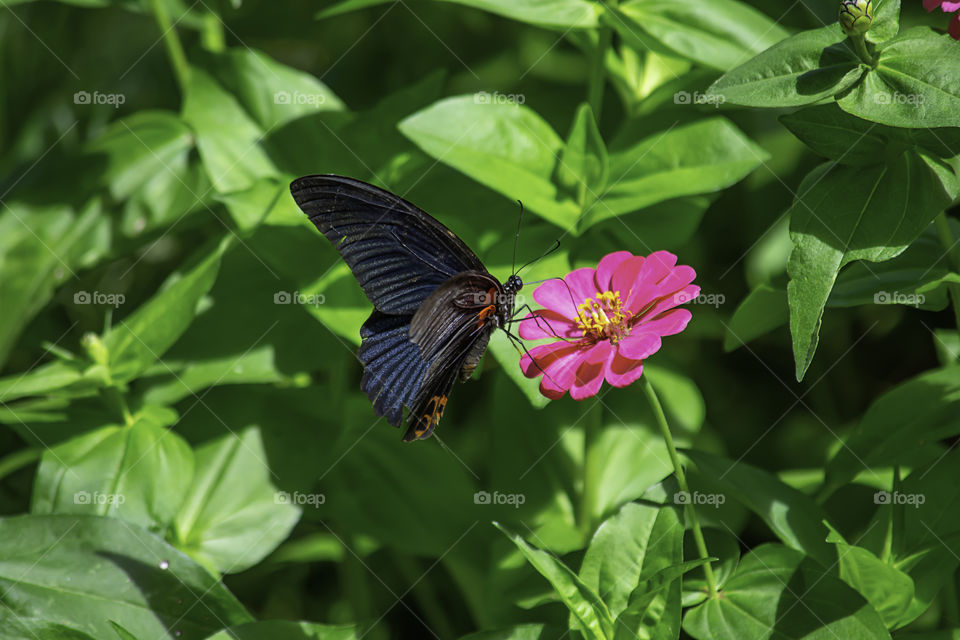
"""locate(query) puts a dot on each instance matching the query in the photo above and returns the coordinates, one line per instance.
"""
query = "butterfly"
(435, 304)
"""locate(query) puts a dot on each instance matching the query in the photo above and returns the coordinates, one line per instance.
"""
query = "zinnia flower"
(947, 7)
(605, 322)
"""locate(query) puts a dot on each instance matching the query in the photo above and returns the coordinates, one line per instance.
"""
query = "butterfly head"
(513, 284)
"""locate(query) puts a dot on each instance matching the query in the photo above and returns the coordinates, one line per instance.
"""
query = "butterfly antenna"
(556, 245)
(516, 240)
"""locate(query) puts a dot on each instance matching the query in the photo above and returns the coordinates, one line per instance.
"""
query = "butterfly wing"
(397, 252)
(452, 329)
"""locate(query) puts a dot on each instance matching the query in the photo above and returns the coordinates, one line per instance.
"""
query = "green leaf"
(922, 410)
(519, 632)
(286, 630)
(227, 138)
(86, 571)
(778, 593)
(763, 310)
(916, 83)
(139, 473)
(702, 157)
(233, 515)
(633, 544)
(584, 167)
(886, 21)
(135, 149)
(271, 92)
(647, 613)
(505, 351)
(843, 214)
(143, 337)
(19, 628)
(555, 14)
(715, 33)
(794, 517)
(802, 69)
(888, 590)
(505, 146)
(47, 378)
(591, 615)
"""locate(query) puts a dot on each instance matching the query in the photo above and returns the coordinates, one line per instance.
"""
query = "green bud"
(95, 348)
(856, 16)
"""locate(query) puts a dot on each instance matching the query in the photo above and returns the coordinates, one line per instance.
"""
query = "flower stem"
(860, 48)
(172, 42)
(682, 481)
(592, 466)
(942, 227)
(598, 70)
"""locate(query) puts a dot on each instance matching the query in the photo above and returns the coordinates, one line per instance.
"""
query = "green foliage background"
(185, 449)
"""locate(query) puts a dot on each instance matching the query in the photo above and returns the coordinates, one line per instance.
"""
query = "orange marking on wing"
(485, 313)
(434, 413)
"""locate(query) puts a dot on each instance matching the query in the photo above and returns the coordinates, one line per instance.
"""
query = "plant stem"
(18, 459)
(598, 71)
(213, 39)
(860, 48)
(178, 59)
(942, 226)
(592, 466)
(682, 481)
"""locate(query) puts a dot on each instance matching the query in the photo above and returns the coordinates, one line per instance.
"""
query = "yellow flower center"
(602, 318)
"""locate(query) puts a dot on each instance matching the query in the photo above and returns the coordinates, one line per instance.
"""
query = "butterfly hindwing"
(398, 253)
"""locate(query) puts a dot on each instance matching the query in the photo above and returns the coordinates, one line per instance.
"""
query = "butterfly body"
(435, 304)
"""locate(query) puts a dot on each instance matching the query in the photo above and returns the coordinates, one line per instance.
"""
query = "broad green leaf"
(590, 614)
(135, 149)
(520, 632)
(763, 310)
(794, 517)
(41, 247)
(47, 378)
(646, 616)
(922, 410)
(916, 83)
(682, 400)
(271, 92)
(778, 593)
(286, 630)
(86, 571)
(584, 167)
(505, 351)
(227, 138)
(555, 14)
(142, 338)
(505, 146)
(180, 188)
(802, 69)
(886, 21)
(633, 544)
(705, 156)
(715, 33)
(139, 473)
(887, 589)
(13, 627)
(266, 202)
(844, 214)
(233, 515)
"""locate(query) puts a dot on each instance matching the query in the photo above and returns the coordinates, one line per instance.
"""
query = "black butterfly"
(435, 304)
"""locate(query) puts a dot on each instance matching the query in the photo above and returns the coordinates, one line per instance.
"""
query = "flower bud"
(95, 348)
(856, 16)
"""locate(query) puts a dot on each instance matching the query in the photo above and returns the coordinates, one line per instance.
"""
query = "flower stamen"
(602, 318)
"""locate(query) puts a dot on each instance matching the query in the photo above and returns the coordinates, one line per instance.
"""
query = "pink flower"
(605, 322)
(947, 7)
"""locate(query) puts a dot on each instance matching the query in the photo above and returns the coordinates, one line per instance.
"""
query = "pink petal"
(548, 324)
(626, 277)
(685, 295)
(638, 346)
(556, 295)
(535, 360)
(582, 284)
(607, 267)
(624, 371)
(666, 324)
(930, 5)
(950, 7)
(560, 373)
(591, 371)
